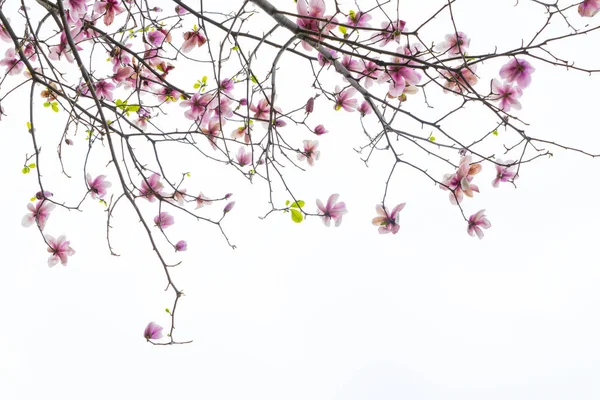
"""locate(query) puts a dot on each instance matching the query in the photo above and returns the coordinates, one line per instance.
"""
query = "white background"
(301, 311)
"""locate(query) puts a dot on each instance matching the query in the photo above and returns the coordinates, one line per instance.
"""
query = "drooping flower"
(243, 158)
(344, 99)
(98, 186)
(589, 8)
(178, 197)
(151, 188)
(332, 210)
(153, 331)
(164, 220)
(517, 70)
(388, 222)
(38, 213)
(192, 39)
(504, 172)
(320, 130)
(60, 250)
(202, 200)
(12, 62)
(181, 245)
(109, 8)
(507, 95)
(476, 222)
(456, 43)
(310, 152)
(63, 49)
(460, 182)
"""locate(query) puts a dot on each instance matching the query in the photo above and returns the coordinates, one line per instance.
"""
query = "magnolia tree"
(364, 60)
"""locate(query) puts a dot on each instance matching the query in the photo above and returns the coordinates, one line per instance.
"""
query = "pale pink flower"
(310, 152)
(181, 245)
(507, 95)
(109, 8)
(351, 64)
(212, 131)
(98, 186)
(227, 85)
(192, 39)
(178, 197)
(365, 108)
(401, 75)
(4, 35)
(261, 110)
(344, 99)
(320, 130)
(76, 8)
(228, 207)
(224, 107)
(476, 222)
(243, 158)
(153, 331)
(456, 43)
(63, 49)
(241, 132)
(370, 73)
(29, 51)
(60, 250)
(388, 222)
(460, 181)
(589, 8)
(151, 188)
(122, 74)
(12, 62)
(38, 213)
(167, 94)
(504, 173)
(201, 201)
(164, 220)
(517, 70)
(199, 107)
(180, 10)
(156, 38)
(143, 117)
(332, 210)
(391, 32)
(359, 20)
(314, 9)
(456, 82)
(104, 89)
(323, 61)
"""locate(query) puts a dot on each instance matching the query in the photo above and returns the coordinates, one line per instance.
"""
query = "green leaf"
(33, 199)
(253, 79)
(287, 202)
(25, 170)
(188, 174)
(167, 311)
(196, 86)
(297, 216)
(343, 29)
(235, 48)
(133, 108)
(55, 106)
(297, 204)
(432, 138)
(32, 165)
(119, 102)
(204, 79)
(28, 126)
(352, 14)
(495, 133)
(47, 104)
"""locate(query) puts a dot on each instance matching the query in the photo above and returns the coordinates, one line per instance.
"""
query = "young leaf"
(297, 216)
(495, 133)
(25, 170)
(297, 204)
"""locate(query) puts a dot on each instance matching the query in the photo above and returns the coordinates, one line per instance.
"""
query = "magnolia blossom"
(104, 89)
(401, 75)
(199, 107)
(12, 62)
(151, 187)
(98, 186)
(178, 197)
(370, 73)
(4, 35)
(261, 110)
(181, 245)
(156, 38)
(476, 222)
(359, 19)
(310, 105)
(365, 108)
(323, 61)
(192, 39)
(391, 32)
(227, 85)
(332, 210)
(153, 331)
(43, 195)
(456, 43)
(243, 158)
(201, 201)
(388, 222)
(344, 99)
(589, 8)
(60, 250)
(460, 182)
(228, 207)
(212, 131)
(517, 70)
(310, 152)
(109, 8)
(504, 173)
(76, 8)
(164, 220)
(507, 95)
(458, 81)
(38, 213)
(241, 132)
(320, 130)
(313, 9)
(180, 10)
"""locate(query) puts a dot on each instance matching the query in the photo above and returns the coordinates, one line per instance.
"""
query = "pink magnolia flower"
(164, 220)
(456, 82)
(167, 94)
(261, 110)
(181, 245)
(199, 107)
(143, 117)
(344, 99)
(310, 105)
(517, 70)
(109, 8)
(243, 158)
(228, 207)
(122, 74)
(63, 49)
(460, 182)
(456, 43)
(38, 213)
(388, 222)
(4, 35)
(401, 75)
(98, 186)
(60, 250)
(504, 173)
(476, 222)
(365, 108)
(12, 62)
(201, 201)
(323, 61)
(212, 131)
(191, 40)
(313, 9)
(351, 64)
(370, 73)
(241, 132)
(178, 197)
(227, 85)
(153, 331)
(224, 107)
(332, 210)
(180, 10)
(29, 51)
(151, 188)
(76, 8)
(507, 95)
(156, 38)
(391, 32)
(589, 8)
(310, 152)
(104, 89)
(43, 195)
(320, 130)
(359, 19)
